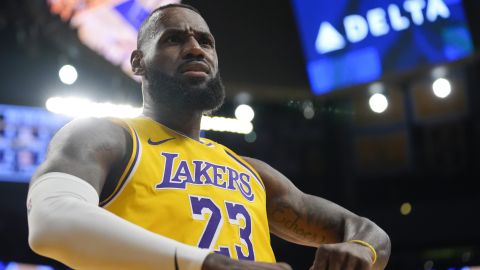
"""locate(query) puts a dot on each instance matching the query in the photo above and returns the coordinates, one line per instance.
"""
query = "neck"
(184, 122)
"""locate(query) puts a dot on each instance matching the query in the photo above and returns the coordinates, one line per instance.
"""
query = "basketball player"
(149, 193)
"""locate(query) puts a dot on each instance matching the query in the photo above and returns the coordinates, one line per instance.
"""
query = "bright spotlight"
(244, 112)
(378, 103)
(80, 107)
(223, 124)
(442, 88)
(68, 74)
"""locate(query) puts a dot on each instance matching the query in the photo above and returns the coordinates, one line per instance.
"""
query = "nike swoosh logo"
(159, 142)
(175, 258)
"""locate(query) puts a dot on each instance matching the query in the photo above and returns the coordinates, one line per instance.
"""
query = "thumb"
(285, 266)
(321, 259)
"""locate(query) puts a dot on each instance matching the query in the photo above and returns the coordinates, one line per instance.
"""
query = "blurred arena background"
(371, 104)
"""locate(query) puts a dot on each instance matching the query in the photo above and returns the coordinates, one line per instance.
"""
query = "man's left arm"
(312, 221)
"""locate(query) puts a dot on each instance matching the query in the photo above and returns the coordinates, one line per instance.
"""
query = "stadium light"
(406, 208)
(378, 103)
(68, 74)
(442, 87)
(81, 107)
(224, 124)
(244, 113)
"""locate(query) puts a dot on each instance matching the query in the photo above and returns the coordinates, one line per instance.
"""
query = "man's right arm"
(66, 224)
(65, 221)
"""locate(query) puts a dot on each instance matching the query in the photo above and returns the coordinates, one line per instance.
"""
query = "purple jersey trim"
(127, 176)
(246, 167)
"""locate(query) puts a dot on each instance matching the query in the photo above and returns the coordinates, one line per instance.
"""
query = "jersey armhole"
(120, 174)
(244, 164)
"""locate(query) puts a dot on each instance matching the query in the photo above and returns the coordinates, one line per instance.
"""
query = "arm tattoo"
(305, 219)
(293, 222)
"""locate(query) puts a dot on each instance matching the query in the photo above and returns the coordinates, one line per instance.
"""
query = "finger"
(321, 259)
(264, 266)
(323, 265)
(319, 265)
(363, 265)
(285, 266)
(334, 265)
(364, 260)
(350, 263)
(335, 261)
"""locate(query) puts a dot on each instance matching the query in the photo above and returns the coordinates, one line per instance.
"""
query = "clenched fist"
(343, 256)
(219, 262)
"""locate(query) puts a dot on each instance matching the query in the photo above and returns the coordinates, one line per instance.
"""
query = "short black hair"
(146, 30)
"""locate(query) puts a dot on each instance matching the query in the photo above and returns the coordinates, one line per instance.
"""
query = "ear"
(136, 60)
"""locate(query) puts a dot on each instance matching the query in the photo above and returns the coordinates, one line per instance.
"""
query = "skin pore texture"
(177, 61)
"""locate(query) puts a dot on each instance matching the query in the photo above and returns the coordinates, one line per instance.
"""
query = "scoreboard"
(349, 42)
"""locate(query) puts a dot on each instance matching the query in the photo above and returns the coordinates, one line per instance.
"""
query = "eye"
(174, 39)
(206, 42)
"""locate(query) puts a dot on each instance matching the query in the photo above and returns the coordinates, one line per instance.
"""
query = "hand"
(219, 262)
(343, 256)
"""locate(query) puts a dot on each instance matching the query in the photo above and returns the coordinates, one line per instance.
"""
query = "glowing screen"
(108, 27)
(348, 42)
(23, 266)
(24, 136)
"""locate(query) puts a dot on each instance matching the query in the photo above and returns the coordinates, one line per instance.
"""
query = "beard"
(176, 93)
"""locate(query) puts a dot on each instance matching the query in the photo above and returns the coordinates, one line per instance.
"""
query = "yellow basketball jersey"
(198, 193)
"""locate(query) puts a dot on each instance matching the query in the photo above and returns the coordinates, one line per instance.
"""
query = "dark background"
(421, 150)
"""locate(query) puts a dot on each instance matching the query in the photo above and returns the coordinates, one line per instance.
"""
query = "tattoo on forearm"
(314, 216)
(294, 222)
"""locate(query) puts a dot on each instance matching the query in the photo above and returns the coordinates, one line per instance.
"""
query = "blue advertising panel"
(24, 136)
(349, 42)
(23, 266)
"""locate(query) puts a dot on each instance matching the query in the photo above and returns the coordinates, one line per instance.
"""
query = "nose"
(192, 49)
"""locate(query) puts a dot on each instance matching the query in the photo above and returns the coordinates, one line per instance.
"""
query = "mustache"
(194, 61)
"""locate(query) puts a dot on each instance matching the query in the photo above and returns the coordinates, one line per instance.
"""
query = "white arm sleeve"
(65, 223)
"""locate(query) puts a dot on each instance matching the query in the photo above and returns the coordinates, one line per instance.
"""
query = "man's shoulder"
(86, 148)
(259, 165)
(93, 123)
(93, 127)
(92, 133)
(265, 171)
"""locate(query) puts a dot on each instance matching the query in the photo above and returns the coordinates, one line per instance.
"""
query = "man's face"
(181, 64)
(183, 47)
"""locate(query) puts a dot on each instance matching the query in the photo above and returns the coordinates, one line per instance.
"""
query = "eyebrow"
(183, 31)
